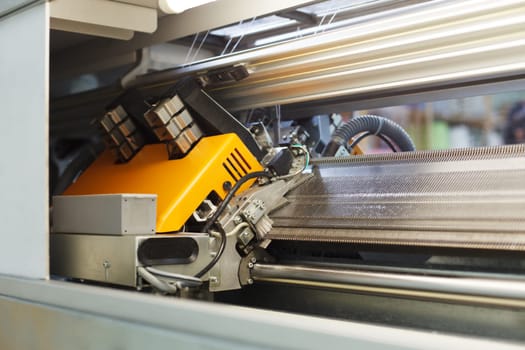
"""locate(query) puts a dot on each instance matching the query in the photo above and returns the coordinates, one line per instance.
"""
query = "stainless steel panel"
(430, 199)
(109, 214)
(112, 259)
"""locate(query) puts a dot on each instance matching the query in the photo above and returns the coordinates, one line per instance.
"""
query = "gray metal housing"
(108, 214)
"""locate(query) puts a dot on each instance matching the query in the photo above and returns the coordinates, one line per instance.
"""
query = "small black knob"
(227, 186)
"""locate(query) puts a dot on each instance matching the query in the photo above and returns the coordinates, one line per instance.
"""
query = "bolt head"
(250, 281)
(227, 186)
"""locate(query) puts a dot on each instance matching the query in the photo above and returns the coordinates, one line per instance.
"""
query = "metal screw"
(106, 264)
(250, 281)
(227, 186)
(253, 260)
(259, 204)
(250, 265)
(248, 215)
(214, 279)
(237, 220)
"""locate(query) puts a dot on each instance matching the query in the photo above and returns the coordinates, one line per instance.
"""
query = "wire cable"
(376, 125)
(155, 282)
(199, 48)
(149, 273)
(219, 211)
(368, 133)
(306, 155)
(388, 142)
(187, 280)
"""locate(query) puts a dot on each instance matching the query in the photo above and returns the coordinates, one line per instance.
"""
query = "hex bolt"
(214, 279)
(237, 220)
(250, 265)
(253, 260)
(250, 281)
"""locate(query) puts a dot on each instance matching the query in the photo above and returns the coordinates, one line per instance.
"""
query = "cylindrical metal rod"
(463, 288)
(429, 45)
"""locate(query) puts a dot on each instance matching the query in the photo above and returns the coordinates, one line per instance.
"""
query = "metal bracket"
(141, 67)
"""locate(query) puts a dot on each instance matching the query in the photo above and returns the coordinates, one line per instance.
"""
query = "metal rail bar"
(429, 156)
(414, 48)
(469, 289)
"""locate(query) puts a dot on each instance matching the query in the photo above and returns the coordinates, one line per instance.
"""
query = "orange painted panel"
(181, 184)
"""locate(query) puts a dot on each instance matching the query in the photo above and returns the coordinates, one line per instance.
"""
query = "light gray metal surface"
(113, 259)
(38, 326)
(434, 198)
(24, 204)
(74, 313)
(11, 6)
(111, 214)
(225, 274)
(462, 288)
(200, 19)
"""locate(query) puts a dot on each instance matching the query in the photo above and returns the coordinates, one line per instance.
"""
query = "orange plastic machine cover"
(181, 184)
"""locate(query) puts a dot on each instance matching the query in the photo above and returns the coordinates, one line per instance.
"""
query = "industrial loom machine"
(189, 200)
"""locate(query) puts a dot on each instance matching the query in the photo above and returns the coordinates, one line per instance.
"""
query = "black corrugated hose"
(373, 124)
